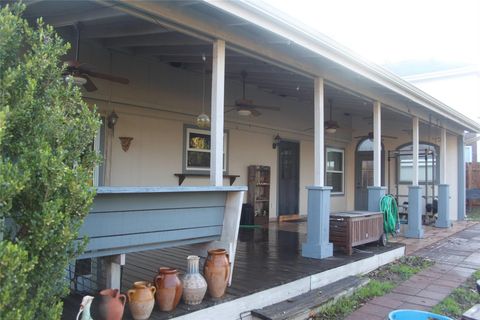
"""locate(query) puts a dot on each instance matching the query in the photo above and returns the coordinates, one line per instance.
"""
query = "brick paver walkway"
(457, 257)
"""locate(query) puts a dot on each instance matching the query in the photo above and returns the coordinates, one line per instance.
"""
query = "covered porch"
(269, 268)
(322, 119)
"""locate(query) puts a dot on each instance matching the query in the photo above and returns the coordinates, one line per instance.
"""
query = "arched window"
(428, 160)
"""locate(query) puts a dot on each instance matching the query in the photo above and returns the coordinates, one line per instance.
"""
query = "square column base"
(374, 196)
(443, 219)
(317, 251)
(318, 224)
(415, 228)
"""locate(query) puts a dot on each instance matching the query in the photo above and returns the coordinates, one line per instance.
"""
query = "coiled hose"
(389, 208)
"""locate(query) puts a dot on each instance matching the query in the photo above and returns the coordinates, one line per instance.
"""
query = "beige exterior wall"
(160, 100)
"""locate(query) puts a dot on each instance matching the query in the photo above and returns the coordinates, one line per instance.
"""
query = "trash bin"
(415, 315)
(247, 215)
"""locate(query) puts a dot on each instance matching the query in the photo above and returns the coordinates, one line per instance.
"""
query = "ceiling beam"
(120, 28)
(163, 39)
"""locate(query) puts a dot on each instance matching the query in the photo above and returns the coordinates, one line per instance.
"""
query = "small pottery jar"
(216, 271)
(112, 304)
(194, 285)
(141, 299)
(169, 289)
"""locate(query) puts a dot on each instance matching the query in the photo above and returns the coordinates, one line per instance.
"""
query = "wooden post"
(113, 266)
(415, 146)
(443, 156)
(218, 88)
(318, 207)
(376, 192)
(319, 133)
(377, 144)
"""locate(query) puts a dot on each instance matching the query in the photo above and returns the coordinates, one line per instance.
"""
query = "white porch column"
(377, 144)
(319, 133)
(318, 207)
(443, 219)
(415, 147)
(414, 228)
(377, 191)
(443, 156)
(218, 88)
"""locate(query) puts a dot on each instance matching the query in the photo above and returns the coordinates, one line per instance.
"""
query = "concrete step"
(306, 305)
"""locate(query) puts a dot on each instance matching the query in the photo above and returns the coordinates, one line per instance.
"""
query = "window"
(335, 170)
(197, 150)
(427, 167)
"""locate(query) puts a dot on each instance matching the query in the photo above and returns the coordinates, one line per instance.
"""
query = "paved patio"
(457, 256)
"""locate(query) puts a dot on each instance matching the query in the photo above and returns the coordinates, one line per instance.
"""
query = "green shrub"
(46, 165)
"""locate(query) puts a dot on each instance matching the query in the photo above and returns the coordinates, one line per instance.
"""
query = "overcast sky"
(390, 31)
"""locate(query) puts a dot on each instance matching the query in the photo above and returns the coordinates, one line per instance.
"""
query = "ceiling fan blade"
(389, 137)
(255, 113)
(266, 107)
(105, 76)
(89, 85)
(360, 137)
(231, 109)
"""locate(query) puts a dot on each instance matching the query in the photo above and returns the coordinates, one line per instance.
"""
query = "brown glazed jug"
(169, 288)
(141, 299)
(216, 271)
(112, 304)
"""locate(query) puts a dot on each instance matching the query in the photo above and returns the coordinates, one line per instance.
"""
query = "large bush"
(46, 165)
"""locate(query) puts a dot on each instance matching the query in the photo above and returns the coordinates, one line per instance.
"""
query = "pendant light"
(203, 121)
(330, 125)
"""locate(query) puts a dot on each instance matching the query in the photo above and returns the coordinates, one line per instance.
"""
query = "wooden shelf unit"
(259, 192)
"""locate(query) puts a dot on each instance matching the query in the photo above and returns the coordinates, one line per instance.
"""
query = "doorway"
(288, 177)
(364, 172)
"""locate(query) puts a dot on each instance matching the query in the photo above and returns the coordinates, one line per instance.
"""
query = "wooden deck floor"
(265, 258)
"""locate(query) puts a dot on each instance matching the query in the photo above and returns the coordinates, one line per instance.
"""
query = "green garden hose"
(388, 206)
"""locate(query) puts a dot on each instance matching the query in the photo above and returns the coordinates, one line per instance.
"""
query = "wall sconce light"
(276, 141)
(112, 120)
(125, 141)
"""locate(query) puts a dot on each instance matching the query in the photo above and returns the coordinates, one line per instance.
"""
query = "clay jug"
(194, 284)
(169, 289)
(112, 304)
(141, 299)
(217, 271)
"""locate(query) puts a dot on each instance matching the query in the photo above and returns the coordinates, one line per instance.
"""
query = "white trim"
(443, 156)
(342, 151)
(187, 149)
(377, 144)
(319, 133)
(218, 101)
(415, 146)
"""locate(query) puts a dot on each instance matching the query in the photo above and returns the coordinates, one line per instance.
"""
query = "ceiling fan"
(330, 125)
(246, 107)
(80, 73)
(370, 136)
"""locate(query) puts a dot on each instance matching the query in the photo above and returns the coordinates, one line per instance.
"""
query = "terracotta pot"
(112, 304)
(141, 299)
(169, 289)
(216, 271)
(194, 284)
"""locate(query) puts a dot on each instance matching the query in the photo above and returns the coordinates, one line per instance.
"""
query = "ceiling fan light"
(330, 130)
(79, 81)
(203, 121)
(244, 112)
